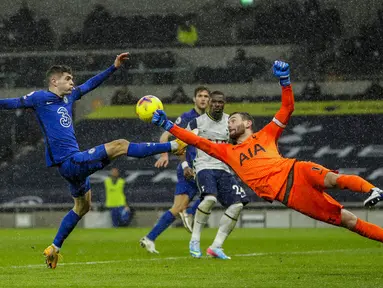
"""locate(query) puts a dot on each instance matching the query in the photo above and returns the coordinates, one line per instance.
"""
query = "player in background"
(186, 187)
(297, 184)
(215, 180)
(53, 109)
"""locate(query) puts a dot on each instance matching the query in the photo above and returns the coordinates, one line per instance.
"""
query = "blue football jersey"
(54, 115)
(183, 122)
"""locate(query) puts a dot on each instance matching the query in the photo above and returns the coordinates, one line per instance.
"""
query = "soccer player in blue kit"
(186, 188)
(53, 109)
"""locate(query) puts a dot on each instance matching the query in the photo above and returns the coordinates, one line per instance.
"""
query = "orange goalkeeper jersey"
(256, 160)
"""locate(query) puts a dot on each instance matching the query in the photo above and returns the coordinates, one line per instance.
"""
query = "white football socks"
(202, 215)
(227, 223)
(57, 249)
(174, 145)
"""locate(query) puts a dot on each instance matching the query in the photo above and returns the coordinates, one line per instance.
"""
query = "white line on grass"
(179, 258)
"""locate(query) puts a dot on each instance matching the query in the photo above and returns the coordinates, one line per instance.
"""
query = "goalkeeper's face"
(64, 83)
(236, 126)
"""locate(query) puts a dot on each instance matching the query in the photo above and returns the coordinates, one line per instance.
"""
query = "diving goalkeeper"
(297, 184)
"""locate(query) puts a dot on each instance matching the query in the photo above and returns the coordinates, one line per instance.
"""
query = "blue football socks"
(141, 150)
(164, 222)
(67, 225)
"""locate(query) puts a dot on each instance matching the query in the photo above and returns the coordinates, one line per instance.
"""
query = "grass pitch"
(260, 258)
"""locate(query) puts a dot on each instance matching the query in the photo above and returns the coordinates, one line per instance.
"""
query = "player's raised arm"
(26, 101)
(281, 118)
(97, 80)
(213, 149)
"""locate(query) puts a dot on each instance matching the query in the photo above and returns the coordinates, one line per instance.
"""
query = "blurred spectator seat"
(179, 96)
(311, 92)
(122, 96)
(375, 91)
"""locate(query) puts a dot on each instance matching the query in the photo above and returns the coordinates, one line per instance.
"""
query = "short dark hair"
(216, 92)
(57, 69)
(199, 89)
(245, 116)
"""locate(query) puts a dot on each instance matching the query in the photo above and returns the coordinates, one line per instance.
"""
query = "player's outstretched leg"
(69, 222)
(200, 219)
(363, 228)
(187, 216)
(226, 225)
(354, 183)
(315, 203)
(121, 147)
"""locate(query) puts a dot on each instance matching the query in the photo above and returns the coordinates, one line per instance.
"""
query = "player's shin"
(202, 215)
(227, 223)
(368, 230)
(67, 225)
(354, 183)
(162, 224)
(141, 150)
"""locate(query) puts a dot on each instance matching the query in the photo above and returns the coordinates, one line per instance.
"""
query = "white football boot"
(374, 198)
(149, 245)
(187, 220)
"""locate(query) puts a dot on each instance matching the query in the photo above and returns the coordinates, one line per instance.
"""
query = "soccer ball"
(146, 107)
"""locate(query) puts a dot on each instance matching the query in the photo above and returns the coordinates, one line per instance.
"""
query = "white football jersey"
(216, 131)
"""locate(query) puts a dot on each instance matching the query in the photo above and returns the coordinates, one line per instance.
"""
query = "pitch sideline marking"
(181, 257)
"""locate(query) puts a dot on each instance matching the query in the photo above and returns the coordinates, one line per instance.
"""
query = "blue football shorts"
(184, 186)
(223, 185)
(77, 168)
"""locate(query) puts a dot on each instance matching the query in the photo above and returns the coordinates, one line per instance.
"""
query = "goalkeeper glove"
(160, 119)
(282, 71)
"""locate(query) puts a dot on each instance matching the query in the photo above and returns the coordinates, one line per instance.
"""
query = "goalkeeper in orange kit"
(297, 184)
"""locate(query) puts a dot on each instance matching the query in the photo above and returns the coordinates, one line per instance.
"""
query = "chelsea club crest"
(65, 100)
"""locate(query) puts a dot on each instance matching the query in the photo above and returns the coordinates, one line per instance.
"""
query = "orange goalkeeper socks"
(354, 183)
(369, 230)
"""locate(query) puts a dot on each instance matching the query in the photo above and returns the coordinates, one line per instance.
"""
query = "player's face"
(201, 100)
(64, 83)
(236, 126)
(114, 173)
(216, 104)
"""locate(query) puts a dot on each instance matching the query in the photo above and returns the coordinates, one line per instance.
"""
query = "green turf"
(260, 258)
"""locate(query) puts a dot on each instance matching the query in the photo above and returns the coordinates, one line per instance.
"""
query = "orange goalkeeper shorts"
(304, 192)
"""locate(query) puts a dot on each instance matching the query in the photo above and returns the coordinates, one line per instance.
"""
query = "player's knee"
(234, 210)
(180, 203)
(86, 208)
(117, 147)
(178, 207)
(121, 145)
(83, 208)
(207, 203)
(330, 180)
(348, 219)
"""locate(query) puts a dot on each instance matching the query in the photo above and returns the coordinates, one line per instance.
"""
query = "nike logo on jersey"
(250, 153)
(48, 103)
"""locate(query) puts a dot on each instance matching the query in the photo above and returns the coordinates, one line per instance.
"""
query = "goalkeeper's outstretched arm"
(213, 149)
